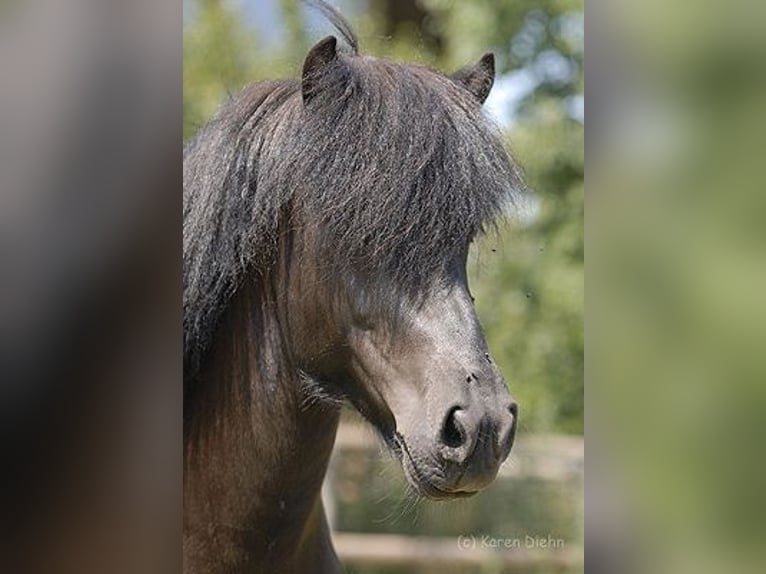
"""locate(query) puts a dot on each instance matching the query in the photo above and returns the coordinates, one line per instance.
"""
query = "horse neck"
(256, 452)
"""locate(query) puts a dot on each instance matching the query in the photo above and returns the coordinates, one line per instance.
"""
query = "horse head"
(407, 174)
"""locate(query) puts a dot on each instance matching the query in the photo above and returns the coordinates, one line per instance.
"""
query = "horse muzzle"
(465, 455)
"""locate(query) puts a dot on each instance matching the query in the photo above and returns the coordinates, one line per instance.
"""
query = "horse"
(326, 226)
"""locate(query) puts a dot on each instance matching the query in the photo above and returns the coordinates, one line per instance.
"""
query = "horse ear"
(319, 58)
(478, 79)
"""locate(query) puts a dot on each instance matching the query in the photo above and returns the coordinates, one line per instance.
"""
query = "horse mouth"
(415, 478)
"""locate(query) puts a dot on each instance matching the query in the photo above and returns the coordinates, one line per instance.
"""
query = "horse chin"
(416, 479)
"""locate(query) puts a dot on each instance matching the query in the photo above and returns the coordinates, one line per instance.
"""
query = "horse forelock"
(393, 165)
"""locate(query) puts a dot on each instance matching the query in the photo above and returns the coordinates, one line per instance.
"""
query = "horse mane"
(394, 165)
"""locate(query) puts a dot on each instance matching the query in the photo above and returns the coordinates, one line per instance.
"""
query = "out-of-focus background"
(676, 323)
(90, 286)
(527, 278)
(90, 251)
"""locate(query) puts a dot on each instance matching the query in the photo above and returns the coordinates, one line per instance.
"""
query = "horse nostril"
(453, 433)
(507, 432)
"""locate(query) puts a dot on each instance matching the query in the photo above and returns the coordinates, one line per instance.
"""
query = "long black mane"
(393, 164)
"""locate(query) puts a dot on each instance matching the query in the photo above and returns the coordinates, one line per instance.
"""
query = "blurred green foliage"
(528, 276)
(676, 292)
(528, 279)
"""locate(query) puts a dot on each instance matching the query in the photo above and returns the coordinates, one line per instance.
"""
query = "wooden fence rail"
(447, 554)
